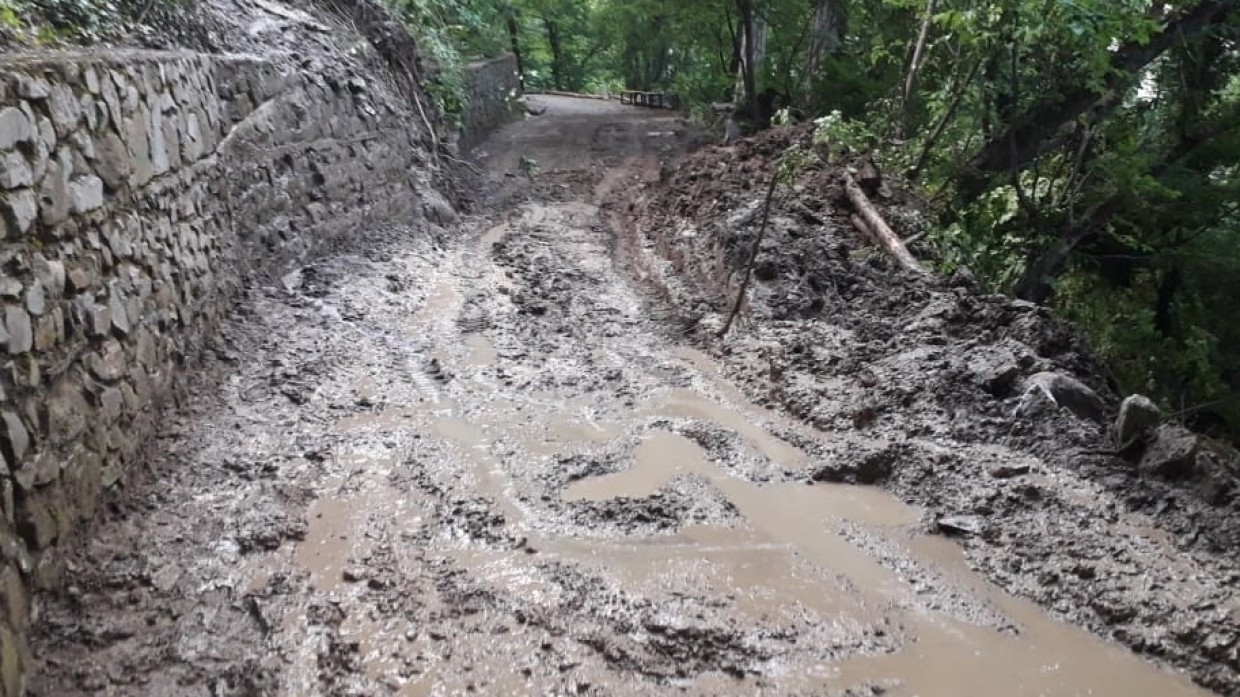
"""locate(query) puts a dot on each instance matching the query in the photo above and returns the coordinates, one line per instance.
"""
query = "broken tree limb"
(877, 228)
(753, 254)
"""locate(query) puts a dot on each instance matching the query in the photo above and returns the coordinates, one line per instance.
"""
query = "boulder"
(1068, 393)
(1138, 416)
(1172, 453)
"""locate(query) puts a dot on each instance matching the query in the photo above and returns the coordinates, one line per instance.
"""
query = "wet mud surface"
(486, 461)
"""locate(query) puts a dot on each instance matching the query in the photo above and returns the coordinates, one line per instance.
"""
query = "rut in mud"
(478, 461)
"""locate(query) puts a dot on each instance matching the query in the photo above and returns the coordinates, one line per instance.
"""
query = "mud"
(481, 463)
(922, 386)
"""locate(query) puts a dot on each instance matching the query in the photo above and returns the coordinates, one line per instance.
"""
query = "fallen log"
(873, 226)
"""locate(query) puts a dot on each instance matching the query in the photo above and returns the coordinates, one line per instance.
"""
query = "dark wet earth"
(479, 461)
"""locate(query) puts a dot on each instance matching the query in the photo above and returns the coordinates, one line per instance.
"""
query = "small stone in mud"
(961, 525)
(1007, 470)
(353, 575)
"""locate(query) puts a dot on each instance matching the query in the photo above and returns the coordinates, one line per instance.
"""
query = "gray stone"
(54, 197)
(96, 318)
(1068, 393)
(108, 363)
(66, 411)
(92, 80)
(1172, 453)
(86, 194)
(159, 147)
(13, 437)
(21, 334)
(15, 127)
(51, 274)
(112, 161)
(15, 171)
(83, 143)
(1007, 470)
(65, 109)
(139, 148)
(437, 208)
(33, 87)
(1138, 415)
(36, 302)
(10, 288)
(47, 133)
(116, 307)
(20, 210)
(961, 525)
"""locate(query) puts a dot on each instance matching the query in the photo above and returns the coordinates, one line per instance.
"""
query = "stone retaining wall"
(137, 191)
(492, 88)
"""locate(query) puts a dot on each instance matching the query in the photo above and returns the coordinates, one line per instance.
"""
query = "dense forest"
(1080, 153)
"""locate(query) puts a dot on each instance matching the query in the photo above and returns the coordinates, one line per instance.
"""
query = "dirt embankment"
(931, 388)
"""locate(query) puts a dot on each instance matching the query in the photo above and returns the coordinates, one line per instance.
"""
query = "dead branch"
(876, 228)
(753, 254)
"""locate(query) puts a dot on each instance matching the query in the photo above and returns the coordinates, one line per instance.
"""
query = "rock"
(1068, 393)
(20, 210)
(51, 274)
(21, 334)
(112, 161)
(13, 437)
(437, 208)
(108, 363)
(86, 194)
(1007, 470)
(65, 109)
(1172, 453)
(961, 525)
(15, 127)
(15, 171)
(33, 87)
(36, 302)
(1138, 415)
(116, 307)
(54, 201)
(10, 288)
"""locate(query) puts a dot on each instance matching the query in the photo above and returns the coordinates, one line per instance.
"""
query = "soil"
(491, 460)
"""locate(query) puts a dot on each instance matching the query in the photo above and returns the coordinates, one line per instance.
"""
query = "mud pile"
(933, 389)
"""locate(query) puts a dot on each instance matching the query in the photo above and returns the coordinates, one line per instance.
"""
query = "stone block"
(51, 274)
(120, 315)
(65, 109)
(86, 194)
(36, 301)
(17, 325)
(108, 364)
(21, 209)
(14, 439)
(48, 331)
(54, 192)
(35, 88)
(15, 171)
(39, 521)
(15, 127)
(139, 148)
(112, 161)
(10, 288)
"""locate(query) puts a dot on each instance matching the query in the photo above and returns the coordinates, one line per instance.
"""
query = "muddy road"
(478, 461)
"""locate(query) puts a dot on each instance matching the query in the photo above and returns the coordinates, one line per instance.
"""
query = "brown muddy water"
(496, 474)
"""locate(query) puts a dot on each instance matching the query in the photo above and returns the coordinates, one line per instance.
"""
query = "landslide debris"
(976, 406)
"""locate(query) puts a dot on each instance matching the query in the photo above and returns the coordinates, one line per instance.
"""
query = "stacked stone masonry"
(137, 191)
(492, 88)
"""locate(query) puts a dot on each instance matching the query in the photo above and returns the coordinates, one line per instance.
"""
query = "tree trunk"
(1048, 123)
(827, 26)
(557, 53)
(877, 228)
(914, 64)
(515, 40)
